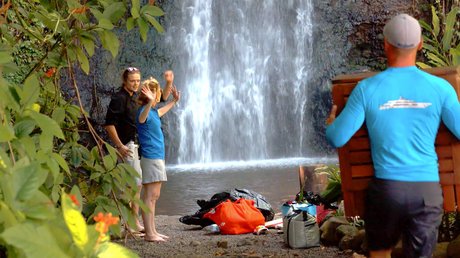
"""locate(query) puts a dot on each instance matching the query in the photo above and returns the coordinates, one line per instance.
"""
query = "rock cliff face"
(347, 38)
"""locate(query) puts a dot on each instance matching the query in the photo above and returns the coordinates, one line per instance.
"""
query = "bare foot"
(153, 238)
(163, 236)
(136, 232)
(140, 228)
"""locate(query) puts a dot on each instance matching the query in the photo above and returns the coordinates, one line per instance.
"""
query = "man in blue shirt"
(403, 107)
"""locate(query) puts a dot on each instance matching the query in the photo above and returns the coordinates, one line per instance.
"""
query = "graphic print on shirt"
(404, 103)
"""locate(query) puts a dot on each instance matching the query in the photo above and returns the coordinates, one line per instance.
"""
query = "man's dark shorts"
(412, 210)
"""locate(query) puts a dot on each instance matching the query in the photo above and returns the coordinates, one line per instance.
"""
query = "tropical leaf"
(152, 10)
(96, 13)
(110, 42)
(109, 250)
(435, 21)
(109, 162)
(31, 90)
(46, 141)
(436, 59)
(105, 24)
(449, 28)
(422, 65)
(6, 133)
(114, 11)
(5, 57)
(154, 23)
(130, 23)
(83, 60)
(26, 180)
(58, 115)
(35, 240)
(75, 222)
(28, 144)
(47, 124)
(135, 7)
(61, 161)
(438, 52)
(88, 43)
(7, 217)
(455, 52)
(24, 127)
(39, 207)
(143, 29)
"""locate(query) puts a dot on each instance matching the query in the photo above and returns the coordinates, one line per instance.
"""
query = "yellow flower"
(2, 163)
(36, 107)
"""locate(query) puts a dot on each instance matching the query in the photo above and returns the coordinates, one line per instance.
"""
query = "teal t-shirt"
(151, 137)
(402, 108)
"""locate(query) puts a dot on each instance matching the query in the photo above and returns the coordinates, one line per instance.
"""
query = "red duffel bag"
(233, 218)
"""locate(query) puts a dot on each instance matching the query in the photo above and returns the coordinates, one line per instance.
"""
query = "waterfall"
(244, 68)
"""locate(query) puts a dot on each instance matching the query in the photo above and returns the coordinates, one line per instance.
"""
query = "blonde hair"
(154, 86)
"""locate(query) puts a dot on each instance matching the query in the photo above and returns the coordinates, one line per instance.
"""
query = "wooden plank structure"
(355, 157)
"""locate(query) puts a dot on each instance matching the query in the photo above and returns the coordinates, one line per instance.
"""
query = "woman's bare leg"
(151, 194)
(155, 197)
(135, 210)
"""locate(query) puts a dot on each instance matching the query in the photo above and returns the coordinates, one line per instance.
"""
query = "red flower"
(74, 199)
(80, 10)
(50, 72)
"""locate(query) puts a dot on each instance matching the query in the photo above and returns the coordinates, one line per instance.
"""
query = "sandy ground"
(192, 241)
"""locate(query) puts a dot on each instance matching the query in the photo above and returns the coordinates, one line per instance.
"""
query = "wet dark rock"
(441, 250)
(328, 230)
(346, 230)
(453, 249)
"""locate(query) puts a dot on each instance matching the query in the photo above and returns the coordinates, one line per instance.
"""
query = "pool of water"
(277, 180)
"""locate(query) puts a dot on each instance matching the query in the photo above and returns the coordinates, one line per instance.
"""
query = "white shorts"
(153, 170)
(134, 161)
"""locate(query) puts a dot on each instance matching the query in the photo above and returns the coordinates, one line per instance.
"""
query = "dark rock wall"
(347, 39)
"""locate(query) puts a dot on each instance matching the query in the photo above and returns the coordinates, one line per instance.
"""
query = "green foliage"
(333, 191)
(41, 153)
(441, 44)
(63, 234)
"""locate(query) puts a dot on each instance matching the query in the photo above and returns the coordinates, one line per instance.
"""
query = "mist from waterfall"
(245, 67)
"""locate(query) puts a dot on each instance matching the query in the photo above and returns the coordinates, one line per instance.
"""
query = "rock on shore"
(191, 241)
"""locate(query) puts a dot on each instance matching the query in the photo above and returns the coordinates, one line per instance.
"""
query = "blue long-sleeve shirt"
(403, 108)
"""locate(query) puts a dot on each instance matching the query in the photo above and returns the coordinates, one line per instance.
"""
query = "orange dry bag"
(237, 217)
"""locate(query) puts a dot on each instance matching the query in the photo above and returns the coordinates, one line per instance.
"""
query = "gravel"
(192, 241)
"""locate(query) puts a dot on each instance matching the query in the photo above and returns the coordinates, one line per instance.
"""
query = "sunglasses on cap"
(132, 69)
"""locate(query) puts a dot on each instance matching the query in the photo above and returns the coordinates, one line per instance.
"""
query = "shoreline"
(192, 241)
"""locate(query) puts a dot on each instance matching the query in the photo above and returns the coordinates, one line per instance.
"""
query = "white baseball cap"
(403, 31)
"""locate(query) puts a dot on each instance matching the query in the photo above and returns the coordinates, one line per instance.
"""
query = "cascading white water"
(245, 66)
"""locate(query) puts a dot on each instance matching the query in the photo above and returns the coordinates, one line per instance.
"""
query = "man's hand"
(331, 117)
(169, 76)
(176, 94)
(124, 151)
